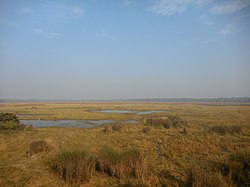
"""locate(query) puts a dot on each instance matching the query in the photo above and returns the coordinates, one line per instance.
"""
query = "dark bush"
(74, 166)
(117, 127)
(171, 121)
(146, 130)
(37, 147)
(184, 131)
(219, 129)
(201, 177)
(239, 165)
(224, 129)
(234, 129)
(122, 164)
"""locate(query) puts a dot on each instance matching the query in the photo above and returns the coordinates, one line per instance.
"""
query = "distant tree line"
(220, 99)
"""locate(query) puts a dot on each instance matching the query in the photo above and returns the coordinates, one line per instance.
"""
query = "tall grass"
(122, 164)
(203, 177)
(74, 166)
(239, 165)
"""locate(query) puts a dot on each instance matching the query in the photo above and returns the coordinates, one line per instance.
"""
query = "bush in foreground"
(74, 166)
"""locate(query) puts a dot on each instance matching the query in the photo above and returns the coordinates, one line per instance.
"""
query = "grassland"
(169, 154)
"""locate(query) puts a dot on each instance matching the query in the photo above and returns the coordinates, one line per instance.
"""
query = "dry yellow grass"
(166, 150)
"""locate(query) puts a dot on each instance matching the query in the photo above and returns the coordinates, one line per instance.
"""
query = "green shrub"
(37, 146)
(74, 166)
(10, 122)
(122, 164)
(239, 165)
(12, 126)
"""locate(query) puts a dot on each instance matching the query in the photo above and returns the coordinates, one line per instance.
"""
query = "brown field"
(200, 155)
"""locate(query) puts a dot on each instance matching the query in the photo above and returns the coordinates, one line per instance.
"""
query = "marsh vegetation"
(191, 146)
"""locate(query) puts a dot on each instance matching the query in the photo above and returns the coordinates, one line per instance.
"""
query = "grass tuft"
(108, 129)
(201, 177)
(122, 164)
(37, 147)
(74, 166)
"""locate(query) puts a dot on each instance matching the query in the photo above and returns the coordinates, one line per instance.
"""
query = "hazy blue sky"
(110, 49)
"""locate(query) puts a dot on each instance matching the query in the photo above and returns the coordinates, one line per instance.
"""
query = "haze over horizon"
(124, 49)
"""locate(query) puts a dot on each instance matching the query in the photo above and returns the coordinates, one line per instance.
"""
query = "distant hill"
(180, 100)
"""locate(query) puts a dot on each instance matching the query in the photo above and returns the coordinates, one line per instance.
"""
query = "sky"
(123, 49)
